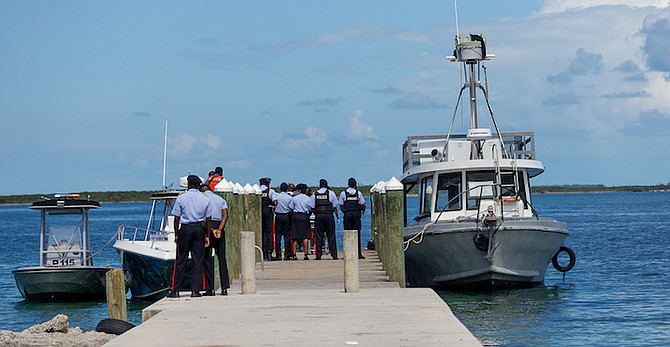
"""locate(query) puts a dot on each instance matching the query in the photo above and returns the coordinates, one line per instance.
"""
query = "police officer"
(352, 205)
(301, 206)
(217, 243)
(268, 201)
(325, 203)
(283, 222)
(192, 223)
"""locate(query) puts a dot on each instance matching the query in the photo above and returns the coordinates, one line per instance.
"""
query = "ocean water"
(618, 293)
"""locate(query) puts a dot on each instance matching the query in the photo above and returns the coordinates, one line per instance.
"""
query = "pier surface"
(303, 303)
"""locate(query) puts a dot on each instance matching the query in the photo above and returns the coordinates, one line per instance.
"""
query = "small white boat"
(65, 271)
(148, 254)
(476, 225)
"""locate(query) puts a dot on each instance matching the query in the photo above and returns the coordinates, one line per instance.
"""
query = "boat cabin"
(469, 176)
(64, 231)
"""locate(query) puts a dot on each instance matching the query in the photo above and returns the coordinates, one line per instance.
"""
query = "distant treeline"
(597, 188)
(132, 196)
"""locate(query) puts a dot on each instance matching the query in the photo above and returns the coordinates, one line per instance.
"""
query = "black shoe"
(224, 291)
(275, 258)
(208, 293)
(293, 257)
(195, 294)
(361, 257)
(173, 295)
(306, 257)
(317, 258)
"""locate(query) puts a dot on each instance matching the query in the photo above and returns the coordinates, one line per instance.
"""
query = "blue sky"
(300, 90)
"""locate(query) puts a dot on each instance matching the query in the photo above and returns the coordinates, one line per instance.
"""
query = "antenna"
(456, 15)
(165, 152)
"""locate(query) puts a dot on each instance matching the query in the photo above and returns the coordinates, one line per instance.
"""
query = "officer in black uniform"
(325, 203)
(352, 205)
(268, 202)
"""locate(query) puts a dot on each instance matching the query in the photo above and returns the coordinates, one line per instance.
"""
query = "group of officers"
(200, 218)
(291, 209)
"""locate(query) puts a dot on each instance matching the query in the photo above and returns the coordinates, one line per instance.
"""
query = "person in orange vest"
(214, 179)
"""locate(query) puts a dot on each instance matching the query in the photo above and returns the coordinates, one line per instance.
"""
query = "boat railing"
(518, 145)
(134, 234)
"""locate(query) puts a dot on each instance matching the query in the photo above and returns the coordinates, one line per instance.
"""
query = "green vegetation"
(131, 196)
(97, 196)
(598, 188)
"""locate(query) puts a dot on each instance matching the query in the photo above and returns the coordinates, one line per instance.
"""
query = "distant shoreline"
(143, 196)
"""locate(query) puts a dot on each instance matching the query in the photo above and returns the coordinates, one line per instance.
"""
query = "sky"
(303, 90)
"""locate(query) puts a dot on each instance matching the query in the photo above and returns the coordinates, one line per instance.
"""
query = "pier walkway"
(303, 303)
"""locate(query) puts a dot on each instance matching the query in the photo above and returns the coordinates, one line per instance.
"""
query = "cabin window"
(449, 192)
(426, 195)
(509, 186)
(480, 186)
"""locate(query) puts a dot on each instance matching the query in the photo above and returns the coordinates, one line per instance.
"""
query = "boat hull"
(85, 283)
(448, 257)
(149, 276)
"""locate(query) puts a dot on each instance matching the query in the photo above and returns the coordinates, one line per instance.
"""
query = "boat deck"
(303, 303)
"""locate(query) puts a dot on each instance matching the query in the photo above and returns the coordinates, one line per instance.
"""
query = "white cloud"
(212, 141)
(181, 144)
(312, 137)
(359, 130)
(550, 6)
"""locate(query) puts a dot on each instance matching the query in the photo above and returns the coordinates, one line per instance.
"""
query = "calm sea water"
(617, 294)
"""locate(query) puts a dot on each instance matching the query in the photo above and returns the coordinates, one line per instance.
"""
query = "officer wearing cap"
(268, 202)
(352, 205)
(192, 223)
(217, 243)
(325, 203)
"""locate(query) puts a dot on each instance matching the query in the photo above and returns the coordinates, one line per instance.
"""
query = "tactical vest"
(265, 198)
(351, 202)
(321, 203)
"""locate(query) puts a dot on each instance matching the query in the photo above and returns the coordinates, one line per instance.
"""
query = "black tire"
(571, 263)
(113, 326)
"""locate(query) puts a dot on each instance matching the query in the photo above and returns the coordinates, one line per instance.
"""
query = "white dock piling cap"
(258, 189)
(224, 186)
(240, 188)
(381, 187)
(249, 188)
(393, 184)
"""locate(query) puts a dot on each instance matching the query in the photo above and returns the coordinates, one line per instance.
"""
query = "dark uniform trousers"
(266, 215)
(325, 225)
(219, 247)
(283, 231)
(352, 221)
(191, 238)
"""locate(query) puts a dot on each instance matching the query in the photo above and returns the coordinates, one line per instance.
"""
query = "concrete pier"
(303, 303)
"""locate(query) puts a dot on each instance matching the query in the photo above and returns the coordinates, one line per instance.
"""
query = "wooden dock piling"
(116, 294)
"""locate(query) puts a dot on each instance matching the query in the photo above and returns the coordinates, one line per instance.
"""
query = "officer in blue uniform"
(301, 206)
(325, 203)
(268, 202)
(192, 223)
(352, 205)
(283, 221)
(217, 243)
